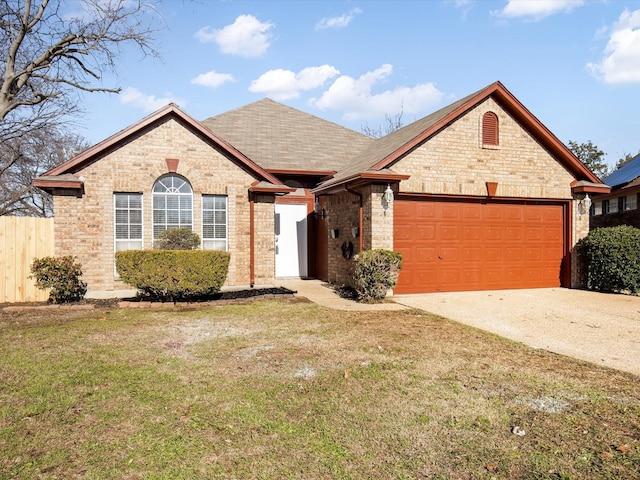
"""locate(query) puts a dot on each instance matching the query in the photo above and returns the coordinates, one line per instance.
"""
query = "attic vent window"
(490, 131)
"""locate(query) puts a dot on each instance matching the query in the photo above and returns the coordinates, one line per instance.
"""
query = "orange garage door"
(452, 246)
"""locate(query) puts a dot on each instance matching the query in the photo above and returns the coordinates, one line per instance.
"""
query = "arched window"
(490, 129)
(172, 204)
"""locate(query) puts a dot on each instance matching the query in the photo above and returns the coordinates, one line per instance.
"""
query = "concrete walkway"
(596, 327)
(319, 292)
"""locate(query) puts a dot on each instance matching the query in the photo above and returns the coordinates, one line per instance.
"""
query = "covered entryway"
(291, 240)
(455, 245)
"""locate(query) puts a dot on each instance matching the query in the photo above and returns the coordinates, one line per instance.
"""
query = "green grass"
(286, 389)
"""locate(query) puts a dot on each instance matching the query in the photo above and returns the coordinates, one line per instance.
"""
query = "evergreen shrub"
(177, 239)
(173, 274)
(62, 276)
(375, 272)
(612, 257)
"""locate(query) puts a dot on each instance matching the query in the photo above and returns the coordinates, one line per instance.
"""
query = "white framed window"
(172, 204)
(128, 221)
(631, 202)
(613, 205)
(214, 223)
(597, 208)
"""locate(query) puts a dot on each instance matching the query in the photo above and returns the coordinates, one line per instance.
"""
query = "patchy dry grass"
(287, 389)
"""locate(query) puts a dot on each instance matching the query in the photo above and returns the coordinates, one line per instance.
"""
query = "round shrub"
(375, 272)
(62, 276)
(612, 256)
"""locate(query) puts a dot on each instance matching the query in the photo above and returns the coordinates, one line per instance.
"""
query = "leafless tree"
(25, 157)
(391, 124)
(49, 57)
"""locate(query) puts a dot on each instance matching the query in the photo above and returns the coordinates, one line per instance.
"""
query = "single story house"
(478, 195)
(620, 206)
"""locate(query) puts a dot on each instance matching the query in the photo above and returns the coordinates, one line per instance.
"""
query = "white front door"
(291, 240)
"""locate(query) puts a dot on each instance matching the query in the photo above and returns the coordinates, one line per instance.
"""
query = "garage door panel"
(471, 232)
(450, 277)
(449, 255)
(513, 234)
(424, 211)
(426, 232)
(427, 254)
(493, 233)
(471, 255)
(403, 233)
(454, 246)
(492, 276)
(450, 212)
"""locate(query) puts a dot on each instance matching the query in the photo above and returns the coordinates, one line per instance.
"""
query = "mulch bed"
(231, 296)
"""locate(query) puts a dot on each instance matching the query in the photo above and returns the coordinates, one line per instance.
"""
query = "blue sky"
(574, 64)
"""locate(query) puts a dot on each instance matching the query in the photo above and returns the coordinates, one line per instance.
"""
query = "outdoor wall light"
(584, 205)
(317, 211)
(354, 232)
(387, 198)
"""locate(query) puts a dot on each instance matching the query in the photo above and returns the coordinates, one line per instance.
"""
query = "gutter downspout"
(360, 220)
(252, 266)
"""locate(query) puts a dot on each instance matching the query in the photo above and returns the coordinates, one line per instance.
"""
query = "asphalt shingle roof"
(385, 146)
(278, 137)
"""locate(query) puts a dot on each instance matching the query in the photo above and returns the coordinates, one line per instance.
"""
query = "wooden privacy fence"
(21, 240)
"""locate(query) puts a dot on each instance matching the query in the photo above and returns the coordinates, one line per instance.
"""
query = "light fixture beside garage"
(584, 205)
(387, 198)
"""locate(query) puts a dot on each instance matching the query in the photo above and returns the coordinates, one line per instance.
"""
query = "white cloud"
(338, 22)
(246, 37)
(147, 103)
(212, 79)
(355, 98)
(282, 84)
(621, 61)
(536, 9)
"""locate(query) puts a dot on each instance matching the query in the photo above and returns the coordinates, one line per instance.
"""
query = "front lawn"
(276, 389)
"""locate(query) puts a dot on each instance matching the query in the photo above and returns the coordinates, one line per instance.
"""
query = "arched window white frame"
(172, 204)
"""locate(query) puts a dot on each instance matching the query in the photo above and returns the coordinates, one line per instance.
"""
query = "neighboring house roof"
(625, 174)
(388, 150)
(281, 138)
(170, 111)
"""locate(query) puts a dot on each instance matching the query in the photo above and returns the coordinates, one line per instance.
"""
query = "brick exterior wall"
(84, 226)
(343, 215)
(454, 162)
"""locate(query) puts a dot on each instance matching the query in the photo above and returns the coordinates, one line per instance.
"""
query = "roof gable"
(389, 149)
(281, 138)
(170, 111)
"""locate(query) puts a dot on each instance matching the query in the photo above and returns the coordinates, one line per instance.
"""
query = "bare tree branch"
(49, 55)
(48, 58)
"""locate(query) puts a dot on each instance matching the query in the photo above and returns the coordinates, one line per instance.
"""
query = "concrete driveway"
(596, 327)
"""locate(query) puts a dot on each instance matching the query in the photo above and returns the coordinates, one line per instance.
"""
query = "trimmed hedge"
(375, 272)
(62, 276)
(177, 239)
(173, 274)
(612, 256)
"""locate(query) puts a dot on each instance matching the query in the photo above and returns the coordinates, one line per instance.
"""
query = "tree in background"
(48, 58)
(625, 159)
(24, 157)
(391, 124)
(591, 156)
